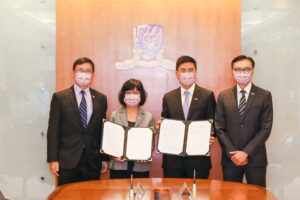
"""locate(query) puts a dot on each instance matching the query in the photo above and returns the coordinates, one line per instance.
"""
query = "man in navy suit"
(74, 130)
(243, 123)
(188, 102)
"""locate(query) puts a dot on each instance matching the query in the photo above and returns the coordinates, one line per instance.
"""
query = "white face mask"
(83, 79)
(187, 78)
(242, 78)
(132, 100)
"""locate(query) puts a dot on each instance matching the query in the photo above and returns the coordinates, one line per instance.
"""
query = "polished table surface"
(169, 189)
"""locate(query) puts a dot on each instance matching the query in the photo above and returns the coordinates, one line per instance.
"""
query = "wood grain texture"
(169, 188)
(208, 30)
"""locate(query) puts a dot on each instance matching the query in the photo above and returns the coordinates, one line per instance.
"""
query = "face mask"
(132, 99)
(83, 79)
(242, 78)
(187, 78)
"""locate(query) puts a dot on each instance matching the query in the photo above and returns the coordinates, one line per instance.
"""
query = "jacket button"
(241, 125)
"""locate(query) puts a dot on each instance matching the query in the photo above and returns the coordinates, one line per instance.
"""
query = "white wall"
(271, 35)
(27, 81)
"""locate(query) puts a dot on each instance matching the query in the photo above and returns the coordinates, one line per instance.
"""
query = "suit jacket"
(202, 107)
(248, 134)
(144, 120)
(66, 137)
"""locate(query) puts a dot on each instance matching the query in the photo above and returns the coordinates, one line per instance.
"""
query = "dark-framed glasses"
(246, 70)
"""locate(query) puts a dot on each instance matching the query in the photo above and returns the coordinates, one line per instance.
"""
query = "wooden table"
(120, 189)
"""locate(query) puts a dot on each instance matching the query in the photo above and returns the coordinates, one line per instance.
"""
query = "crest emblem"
(148, 42)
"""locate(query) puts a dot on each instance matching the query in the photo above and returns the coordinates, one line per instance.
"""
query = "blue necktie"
(186, 104)
(242, 104)
(83, 109)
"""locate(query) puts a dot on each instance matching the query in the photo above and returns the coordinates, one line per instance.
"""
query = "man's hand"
(104, 166)
(157, 124)
(54, 168)
(211, 140)
(119, 159)
(239, 158)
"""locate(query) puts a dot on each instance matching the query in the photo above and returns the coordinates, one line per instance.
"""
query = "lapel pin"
(252, 93)
(93, 96)
(196, 99)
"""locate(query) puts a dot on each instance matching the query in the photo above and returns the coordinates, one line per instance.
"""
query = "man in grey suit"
(74, 131)
(243, 123)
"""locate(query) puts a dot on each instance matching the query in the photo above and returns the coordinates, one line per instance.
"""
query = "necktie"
(83, 109)
(186, 104)
(242, 104)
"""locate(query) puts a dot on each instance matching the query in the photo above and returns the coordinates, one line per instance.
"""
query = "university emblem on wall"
(148, 52)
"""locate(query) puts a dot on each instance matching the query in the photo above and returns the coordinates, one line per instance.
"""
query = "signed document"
(184, 138)
(139, 144)
(130, 143)
(113, 139)
(171, 137)
(198, 137)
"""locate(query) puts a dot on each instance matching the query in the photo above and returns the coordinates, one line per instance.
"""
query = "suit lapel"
(75, 106)
(139, 118)
(95, 106)
(123, 117)
(250, 100)
(233, 97)
(178, 102)
(194, 101)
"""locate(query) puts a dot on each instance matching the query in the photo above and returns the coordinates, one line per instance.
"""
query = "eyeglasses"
(246, 70)
(84, 70)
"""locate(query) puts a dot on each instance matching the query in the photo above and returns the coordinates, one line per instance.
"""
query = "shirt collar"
(78, 89)
(191, 89)
(247, 88)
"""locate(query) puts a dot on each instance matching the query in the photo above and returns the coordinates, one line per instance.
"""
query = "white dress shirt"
(191, 92)
(88, 99)
(239, 94)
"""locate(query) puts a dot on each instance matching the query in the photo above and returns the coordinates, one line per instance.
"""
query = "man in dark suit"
(243, 123)
(188, 102)
(74, 130)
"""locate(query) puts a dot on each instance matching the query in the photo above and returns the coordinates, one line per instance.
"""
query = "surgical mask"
(132, 100)
(242, 78)
(83, 79)
(187, 78)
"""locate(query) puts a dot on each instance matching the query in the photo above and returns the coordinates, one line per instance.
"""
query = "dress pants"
(82, 172)
(254, 175)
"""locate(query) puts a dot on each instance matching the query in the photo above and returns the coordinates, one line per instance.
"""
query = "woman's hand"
(157, 125)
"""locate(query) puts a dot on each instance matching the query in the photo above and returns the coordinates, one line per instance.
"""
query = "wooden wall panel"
(208, 30)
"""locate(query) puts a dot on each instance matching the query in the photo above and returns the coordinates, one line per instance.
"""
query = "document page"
(198, 138)
(113, 139)
(171, 136)
(139, 144)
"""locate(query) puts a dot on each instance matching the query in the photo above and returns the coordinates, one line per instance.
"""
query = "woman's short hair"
(130, 85)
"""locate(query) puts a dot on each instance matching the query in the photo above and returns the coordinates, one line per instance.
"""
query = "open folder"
(131, 143)
(184, 138)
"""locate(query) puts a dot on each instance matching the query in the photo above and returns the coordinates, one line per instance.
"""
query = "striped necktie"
(83, 109)
(242, 104)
